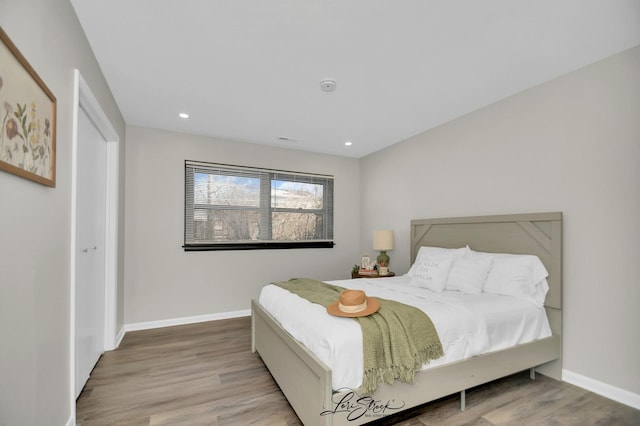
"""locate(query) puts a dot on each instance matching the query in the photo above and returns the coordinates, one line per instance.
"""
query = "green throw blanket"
(397, 340)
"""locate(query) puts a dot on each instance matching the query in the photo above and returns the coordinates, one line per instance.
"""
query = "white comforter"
(467, 325)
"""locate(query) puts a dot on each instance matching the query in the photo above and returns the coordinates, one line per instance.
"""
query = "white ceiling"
(250, 70)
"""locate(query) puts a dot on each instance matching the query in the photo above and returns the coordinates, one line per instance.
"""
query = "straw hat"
(353, 303)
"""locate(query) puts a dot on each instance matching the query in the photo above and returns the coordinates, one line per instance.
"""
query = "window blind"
(230, 207)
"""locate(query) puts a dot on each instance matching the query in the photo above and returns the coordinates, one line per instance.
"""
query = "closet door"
(90, 265)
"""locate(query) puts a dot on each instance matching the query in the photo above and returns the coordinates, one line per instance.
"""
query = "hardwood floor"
(205, 374)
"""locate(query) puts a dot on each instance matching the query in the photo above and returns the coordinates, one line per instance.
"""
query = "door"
(90, 234)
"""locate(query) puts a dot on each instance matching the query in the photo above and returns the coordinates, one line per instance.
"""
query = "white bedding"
(467, 325)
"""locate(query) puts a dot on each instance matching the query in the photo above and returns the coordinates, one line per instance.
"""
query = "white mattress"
(467, 325)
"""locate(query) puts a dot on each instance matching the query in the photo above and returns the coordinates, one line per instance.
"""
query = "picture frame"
(365, 262)
(27, 118)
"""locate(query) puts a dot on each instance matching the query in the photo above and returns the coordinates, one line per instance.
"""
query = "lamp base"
(383, 259)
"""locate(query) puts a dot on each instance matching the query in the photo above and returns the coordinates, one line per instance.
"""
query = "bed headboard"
(536, 233)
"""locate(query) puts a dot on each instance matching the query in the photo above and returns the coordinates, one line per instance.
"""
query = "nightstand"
(357, 275)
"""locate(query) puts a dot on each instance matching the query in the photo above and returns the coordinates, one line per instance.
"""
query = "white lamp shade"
(383, 240)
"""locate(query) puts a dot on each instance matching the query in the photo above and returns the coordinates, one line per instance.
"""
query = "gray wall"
(35, 226)
(570, 145)
(163, 282)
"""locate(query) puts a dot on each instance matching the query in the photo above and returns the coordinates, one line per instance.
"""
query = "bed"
(306, 381)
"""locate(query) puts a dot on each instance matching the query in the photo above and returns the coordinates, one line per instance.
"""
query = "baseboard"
(185, 320)
(120, 336)
(71, 421)
(623, 396)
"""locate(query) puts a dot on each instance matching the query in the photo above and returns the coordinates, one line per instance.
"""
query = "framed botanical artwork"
(27, 118)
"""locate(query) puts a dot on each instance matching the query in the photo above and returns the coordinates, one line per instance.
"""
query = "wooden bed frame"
(306, 381)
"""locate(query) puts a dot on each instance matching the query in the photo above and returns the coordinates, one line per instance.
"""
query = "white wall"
(570, 145)
(35, 225)
(163, 282)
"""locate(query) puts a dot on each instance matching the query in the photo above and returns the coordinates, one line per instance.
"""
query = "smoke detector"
(328, 85)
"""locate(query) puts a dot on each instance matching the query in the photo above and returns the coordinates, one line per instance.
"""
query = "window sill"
(259, 246)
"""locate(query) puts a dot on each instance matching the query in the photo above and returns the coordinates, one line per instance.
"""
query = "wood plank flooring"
(205, 374)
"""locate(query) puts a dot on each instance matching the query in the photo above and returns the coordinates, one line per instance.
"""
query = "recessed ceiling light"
(348, 143)
(183, 115)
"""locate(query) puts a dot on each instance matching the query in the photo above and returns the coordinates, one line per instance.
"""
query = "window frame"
(265, 208)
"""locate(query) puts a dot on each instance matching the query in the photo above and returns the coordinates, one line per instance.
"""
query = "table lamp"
(383, 241)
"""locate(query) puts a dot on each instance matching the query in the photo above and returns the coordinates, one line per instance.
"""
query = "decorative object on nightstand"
(383, 241)
(365, 262)
(367, 266)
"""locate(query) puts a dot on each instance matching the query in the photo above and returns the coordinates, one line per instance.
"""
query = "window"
(238, 208)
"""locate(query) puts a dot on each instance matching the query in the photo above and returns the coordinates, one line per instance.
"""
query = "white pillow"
(517, 275)
(469, 272)
(431, 273)
(432, 265)
(535, 295)
(428, 251)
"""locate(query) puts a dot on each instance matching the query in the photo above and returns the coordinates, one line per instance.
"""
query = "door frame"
(84, 99)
